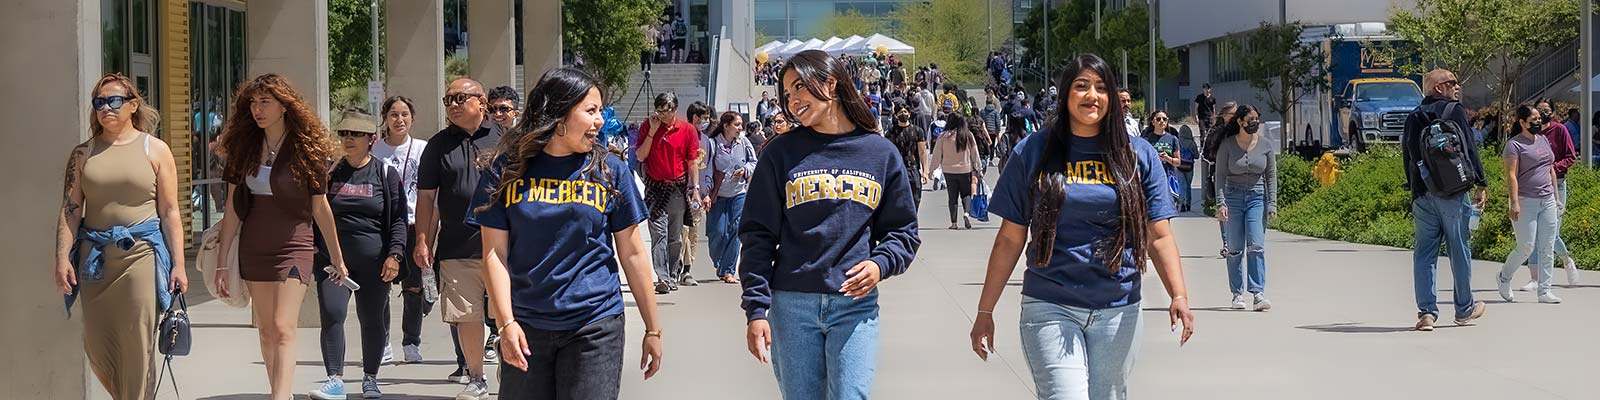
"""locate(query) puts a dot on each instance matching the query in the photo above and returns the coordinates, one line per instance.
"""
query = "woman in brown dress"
(277, 174)
(122, 177)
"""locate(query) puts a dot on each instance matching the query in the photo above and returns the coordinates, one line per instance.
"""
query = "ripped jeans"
(1245, 234)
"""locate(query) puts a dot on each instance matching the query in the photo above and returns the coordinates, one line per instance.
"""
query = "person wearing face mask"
(1095, 204)
(1559, 136)
(1534, 206)
(700, 117)
(1247, 194)
(733, 157)
(832, 196)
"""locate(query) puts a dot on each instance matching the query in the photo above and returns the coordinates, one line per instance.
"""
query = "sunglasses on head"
(115, 102)
(452, 100)
(501, 109)
(350, 134)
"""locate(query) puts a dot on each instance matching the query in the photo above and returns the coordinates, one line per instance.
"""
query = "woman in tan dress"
(121, 181)
(277, 174)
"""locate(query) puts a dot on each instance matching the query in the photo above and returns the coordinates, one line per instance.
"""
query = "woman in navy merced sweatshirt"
(828, 214)
(1097, 205)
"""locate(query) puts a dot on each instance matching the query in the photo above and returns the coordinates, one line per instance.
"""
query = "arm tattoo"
(74, 170)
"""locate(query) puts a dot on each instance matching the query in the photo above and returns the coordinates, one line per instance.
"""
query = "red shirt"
(671, 150)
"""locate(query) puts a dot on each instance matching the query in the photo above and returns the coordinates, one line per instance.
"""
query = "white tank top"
(261, 182)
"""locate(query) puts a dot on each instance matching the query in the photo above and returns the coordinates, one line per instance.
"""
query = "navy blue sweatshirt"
(819, 204)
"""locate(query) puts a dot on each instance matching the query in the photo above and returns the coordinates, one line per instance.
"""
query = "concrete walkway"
(1340, 329)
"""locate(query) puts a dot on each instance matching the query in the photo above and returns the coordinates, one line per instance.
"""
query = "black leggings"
(372, 310)
(959, 187)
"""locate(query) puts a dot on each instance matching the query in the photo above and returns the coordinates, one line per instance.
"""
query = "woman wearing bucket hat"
(369, 210)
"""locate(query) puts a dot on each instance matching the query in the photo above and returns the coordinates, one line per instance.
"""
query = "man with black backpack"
(1442, 166)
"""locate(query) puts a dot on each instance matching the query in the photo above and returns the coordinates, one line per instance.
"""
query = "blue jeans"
(1246, 234)
(1078, 353)
(1561, 250)
(824, 345)
(722, 227)
(1185, 195)
(1536, 236)
(1442, 220)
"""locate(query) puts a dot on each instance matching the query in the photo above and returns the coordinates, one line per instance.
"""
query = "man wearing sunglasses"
(1442, 217)
(503, 108)
(446, 180)
(667, 153)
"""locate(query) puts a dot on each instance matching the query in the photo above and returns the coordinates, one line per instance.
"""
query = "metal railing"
(1545, 71)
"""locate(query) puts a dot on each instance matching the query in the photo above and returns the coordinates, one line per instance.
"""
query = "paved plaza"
(1339, 329)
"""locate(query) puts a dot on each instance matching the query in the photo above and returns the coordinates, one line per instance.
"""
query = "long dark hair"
(1050, 176)
(1233, 127)
(557, 93)
(720, 127)
(388, 105)
(310, 143)
(814, 68)
(954, 124)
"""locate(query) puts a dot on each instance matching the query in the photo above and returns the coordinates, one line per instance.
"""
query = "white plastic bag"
(206, 260)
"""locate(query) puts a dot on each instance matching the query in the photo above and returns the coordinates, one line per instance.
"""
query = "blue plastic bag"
(979, 209)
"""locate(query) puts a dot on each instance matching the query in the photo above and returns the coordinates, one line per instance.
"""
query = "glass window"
(141, 24)
(114, 35)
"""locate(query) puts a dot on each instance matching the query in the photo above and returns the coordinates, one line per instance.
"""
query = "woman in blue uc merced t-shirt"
(553, 232)
(827, 215)
(1096, 203)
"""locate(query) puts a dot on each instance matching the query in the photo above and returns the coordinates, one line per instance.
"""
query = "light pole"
(377, 75)
(1586, 33)
(1150, 92)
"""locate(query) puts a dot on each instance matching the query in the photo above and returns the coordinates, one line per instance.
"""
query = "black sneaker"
(687, 280)
(663, 288)
(460, 376)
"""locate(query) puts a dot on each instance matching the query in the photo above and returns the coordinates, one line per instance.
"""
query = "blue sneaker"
(332, 389)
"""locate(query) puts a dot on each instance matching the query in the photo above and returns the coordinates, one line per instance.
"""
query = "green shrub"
(1369, 204)
(1295, 179)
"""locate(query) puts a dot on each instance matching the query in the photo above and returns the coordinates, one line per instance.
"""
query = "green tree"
(1071, 32)
(845, 24)
(349, 50)
(606, 34)
(1491, 39)
(950, 33)
(1282, 68)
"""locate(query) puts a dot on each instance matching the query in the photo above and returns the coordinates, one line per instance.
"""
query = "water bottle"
(430, 286)
(1472, 224)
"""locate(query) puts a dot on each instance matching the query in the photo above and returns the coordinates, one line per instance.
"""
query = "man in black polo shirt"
(446, 180)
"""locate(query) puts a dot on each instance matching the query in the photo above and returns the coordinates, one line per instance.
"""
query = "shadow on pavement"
(260, 396)
(1207, 309)
(1355, 327)
(1013, 282)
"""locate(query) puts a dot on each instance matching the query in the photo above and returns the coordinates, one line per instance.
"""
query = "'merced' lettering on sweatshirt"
(818, 205)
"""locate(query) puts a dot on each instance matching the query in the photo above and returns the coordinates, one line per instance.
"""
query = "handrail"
(1546, 70)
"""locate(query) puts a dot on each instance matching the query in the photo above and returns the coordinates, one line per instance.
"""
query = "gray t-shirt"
(1535, 165)
(1240, 169)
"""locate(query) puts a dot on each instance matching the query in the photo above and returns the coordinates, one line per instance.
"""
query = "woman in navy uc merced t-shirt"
(548, 234)
(827, 215)
(1096, 203)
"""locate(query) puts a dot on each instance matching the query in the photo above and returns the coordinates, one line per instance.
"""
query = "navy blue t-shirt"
(1076, 276)
(560, 222)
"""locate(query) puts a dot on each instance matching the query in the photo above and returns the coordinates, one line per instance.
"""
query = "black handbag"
(172, 338)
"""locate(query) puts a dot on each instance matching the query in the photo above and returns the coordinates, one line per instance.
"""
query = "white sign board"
(374, 96)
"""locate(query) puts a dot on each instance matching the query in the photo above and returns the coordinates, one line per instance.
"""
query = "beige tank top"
(119, 184)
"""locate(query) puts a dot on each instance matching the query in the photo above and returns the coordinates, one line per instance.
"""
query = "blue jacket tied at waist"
(124, 238)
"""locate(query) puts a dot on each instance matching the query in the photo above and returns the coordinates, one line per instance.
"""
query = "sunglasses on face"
(353, 134)
(1162, 119)
(452, 100)
(664, 111)
(501, 109)
(115, 102)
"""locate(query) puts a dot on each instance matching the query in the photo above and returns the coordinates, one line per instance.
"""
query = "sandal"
(730, 279)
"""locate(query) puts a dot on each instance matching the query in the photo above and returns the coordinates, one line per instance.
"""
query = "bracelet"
(507, 325)
(990, 312)
(655, 333)
(1180, 298)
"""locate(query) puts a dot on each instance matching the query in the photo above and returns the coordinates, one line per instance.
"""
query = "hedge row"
(1369, 204)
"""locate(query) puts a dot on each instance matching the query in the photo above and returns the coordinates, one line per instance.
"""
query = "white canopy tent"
(872, 43)
(851, 45)
(769, 47)
(854, 45)
(788, 49)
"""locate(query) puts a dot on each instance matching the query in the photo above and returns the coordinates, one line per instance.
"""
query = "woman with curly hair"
(277, 174)
(122, 178)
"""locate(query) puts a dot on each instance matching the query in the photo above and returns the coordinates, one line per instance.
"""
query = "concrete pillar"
(414, 59)
(492, 44)
(44, 350)
(541, 39)
(290, 38)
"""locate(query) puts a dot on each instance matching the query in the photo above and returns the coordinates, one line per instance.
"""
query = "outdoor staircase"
(1552, 74)
(688, 81)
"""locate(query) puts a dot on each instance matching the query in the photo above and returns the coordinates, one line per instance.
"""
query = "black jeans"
(372, 310)
(413, 305)
(914, 177)
(582, 364)
(959, 187)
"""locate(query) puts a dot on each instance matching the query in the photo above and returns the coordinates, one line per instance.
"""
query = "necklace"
(272, 153)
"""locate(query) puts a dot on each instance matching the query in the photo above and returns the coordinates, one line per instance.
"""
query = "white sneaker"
(1504, 284)
(1572, 271)
(1531, 286)
(413, 353)
(1239, 302)
(1262, 304)
(477, 389)
(388, 354)
(1549, 298)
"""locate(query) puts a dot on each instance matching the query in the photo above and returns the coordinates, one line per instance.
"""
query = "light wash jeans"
(722, 228)
(1245, 239)
(1079, 353)
(1536, 234)
(1442, 220)
(824, 345)
(1561, 244)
